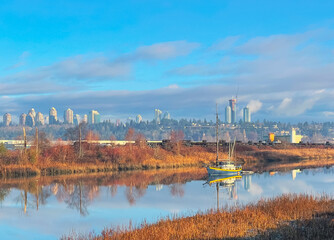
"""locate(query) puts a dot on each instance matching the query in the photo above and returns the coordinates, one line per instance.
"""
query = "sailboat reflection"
(224, 182)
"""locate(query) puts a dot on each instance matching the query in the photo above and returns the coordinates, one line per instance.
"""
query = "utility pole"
(80, 147)
(36, 139)
(24, 140)
(217, 187)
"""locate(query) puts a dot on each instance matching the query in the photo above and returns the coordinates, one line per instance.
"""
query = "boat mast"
(217, 186)
(217, 147)
(233, 148)
(229, 151)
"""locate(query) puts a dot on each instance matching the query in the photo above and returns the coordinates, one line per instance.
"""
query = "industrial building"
(289, 138)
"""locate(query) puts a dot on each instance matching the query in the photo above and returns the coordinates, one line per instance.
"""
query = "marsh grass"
(283, 217)
(63, 159)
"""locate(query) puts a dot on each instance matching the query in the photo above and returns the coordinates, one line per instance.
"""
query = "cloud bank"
(285, 76)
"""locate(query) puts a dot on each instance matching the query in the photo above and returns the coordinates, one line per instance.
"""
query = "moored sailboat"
(225, 166)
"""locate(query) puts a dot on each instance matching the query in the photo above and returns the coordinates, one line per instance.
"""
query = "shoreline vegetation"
(44, 159)
(285, 217)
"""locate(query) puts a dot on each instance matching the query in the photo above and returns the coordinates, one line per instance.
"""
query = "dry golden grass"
(64, 159)
(282, 159)
(256, 221)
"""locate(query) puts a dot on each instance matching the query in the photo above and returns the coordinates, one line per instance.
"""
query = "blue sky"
(125, 58)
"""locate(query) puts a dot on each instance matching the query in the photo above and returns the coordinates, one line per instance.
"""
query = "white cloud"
(285, 103)
(173, 86)
(254, 106)
(320, 91)
(83, 68)
(166, 50)
(21, 61)
(225, 44)
(328, 114)
(296, 107)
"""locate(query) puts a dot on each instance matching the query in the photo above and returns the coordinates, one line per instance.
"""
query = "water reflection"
(96, 201)
(228, 183)
(247, 182)
(294, 173)
(79, 192)
(31, 194)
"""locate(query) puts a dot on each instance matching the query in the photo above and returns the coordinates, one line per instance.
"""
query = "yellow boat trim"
(227, 170)
(222, 179)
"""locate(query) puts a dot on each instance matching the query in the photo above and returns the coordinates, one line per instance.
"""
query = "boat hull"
(222, 171)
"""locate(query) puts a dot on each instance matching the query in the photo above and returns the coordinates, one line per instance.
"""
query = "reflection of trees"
(177, 190)
(78, 199)
(77, 196)
(3, 194)
(77, 192)
(41, 194)
(113, 190)
(38, 193)
(133, 194)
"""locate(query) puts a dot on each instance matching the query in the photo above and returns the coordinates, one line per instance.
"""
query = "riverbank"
(285, 217)
(63, 160)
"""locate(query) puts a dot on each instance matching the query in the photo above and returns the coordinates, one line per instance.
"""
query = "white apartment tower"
(68, 116)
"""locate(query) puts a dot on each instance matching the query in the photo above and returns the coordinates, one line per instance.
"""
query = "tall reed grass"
(281, 216)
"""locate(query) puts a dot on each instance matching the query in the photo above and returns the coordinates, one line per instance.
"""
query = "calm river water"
(47, 208)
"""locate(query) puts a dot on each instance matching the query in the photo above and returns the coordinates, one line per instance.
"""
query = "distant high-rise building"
(76, 119)
(246, 115)
(94, 117)
(85, 119)
(228, 114)
(23, 117)
(46, 119)
(30, 120)
(53, 119)
(129, 120)
(167, 115)
(157, 116)
(33, 112)
(39, 119)
(97, 117)
(233, 105)
(139, 118)
(68, 116)
(7, 119)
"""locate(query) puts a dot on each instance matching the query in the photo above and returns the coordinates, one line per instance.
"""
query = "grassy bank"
(285, 217)
(63, 160)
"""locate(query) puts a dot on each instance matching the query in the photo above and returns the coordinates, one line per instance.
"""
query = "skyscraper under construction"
(233, 106)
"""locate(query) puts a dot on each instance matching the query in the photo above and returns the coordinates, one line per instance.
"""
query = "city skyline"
(69, 117)
(52, 118)
(281, 68)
